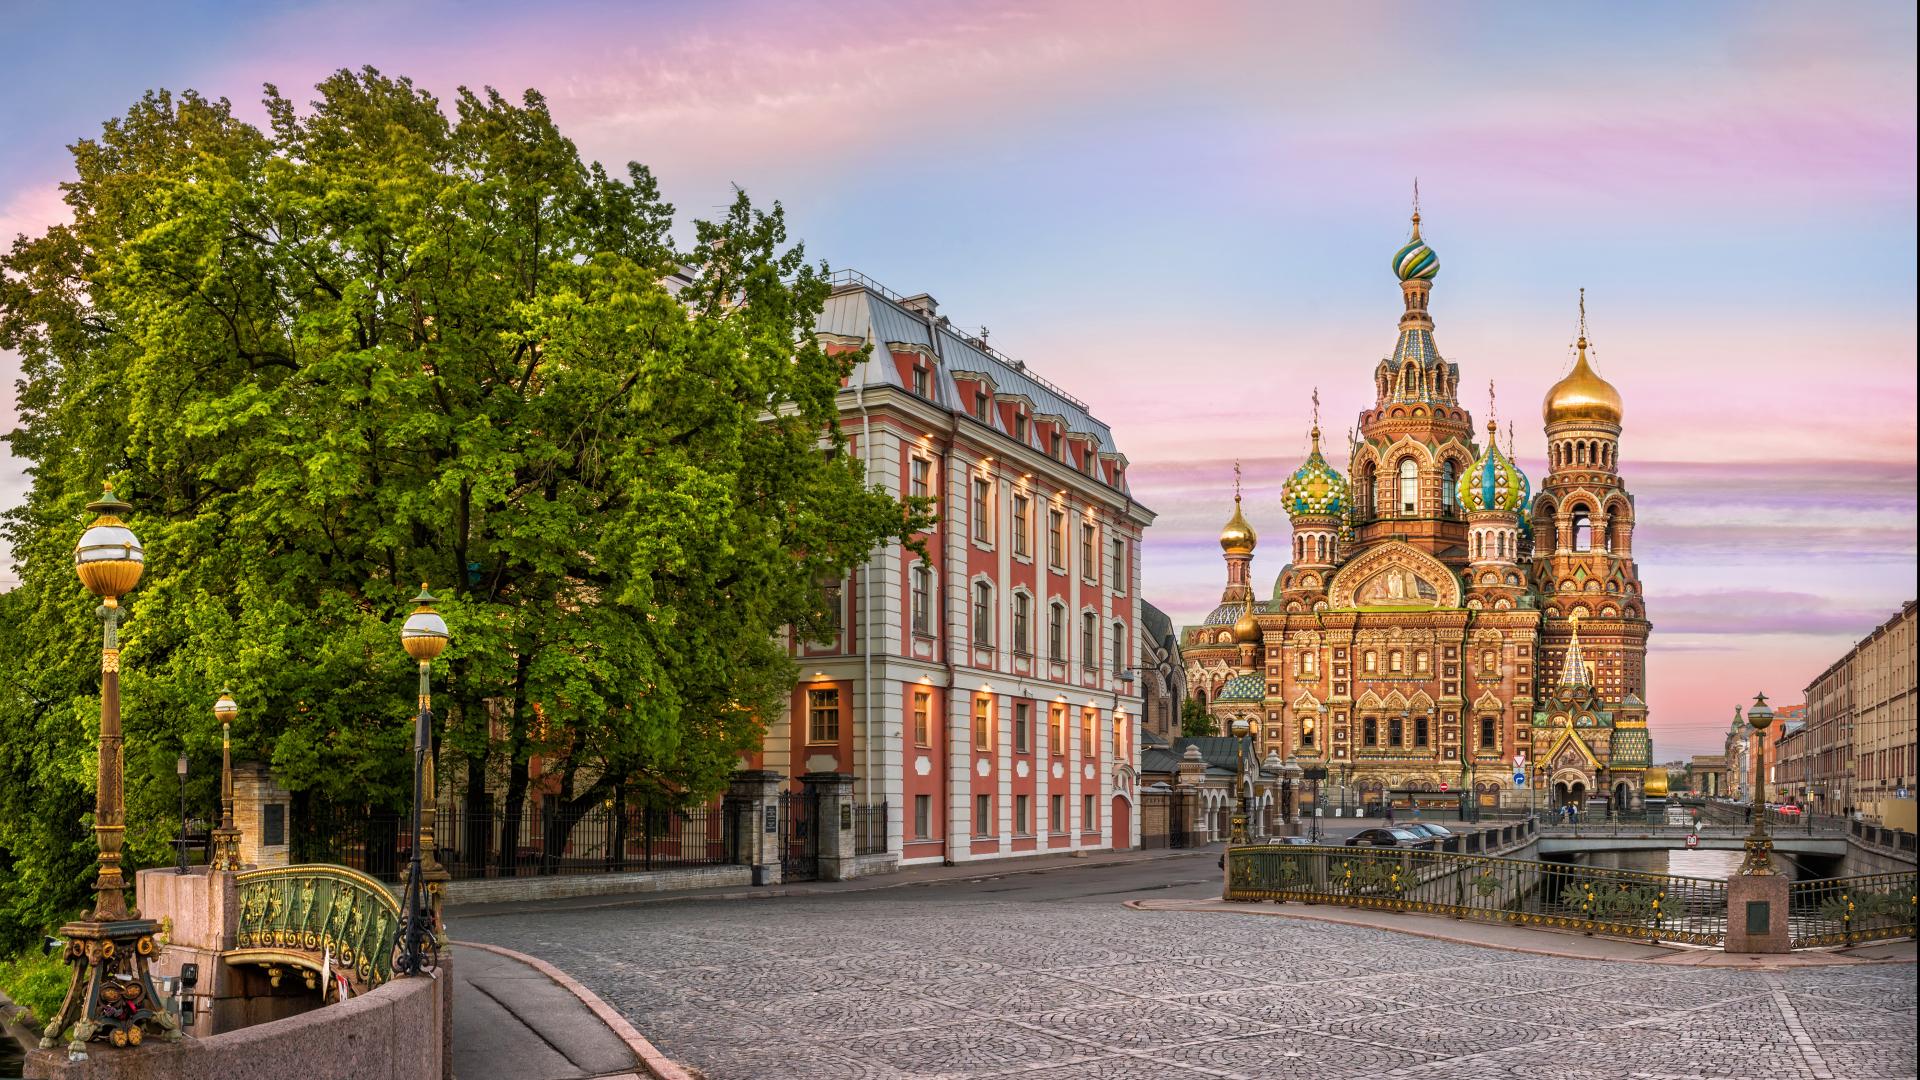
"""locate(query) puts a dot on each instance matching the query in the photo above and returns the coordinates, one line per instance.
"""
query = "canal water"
(1677, 860)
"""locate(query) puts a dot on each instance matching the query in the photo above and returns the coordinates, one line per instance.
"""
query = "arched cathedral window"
(1409, 487)
(1447, 479)
(1582, 530)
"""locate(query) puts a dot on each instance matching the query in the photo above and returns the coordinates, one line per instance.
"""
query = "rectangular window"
(1089, 642)
(1370, 662)
(1054, 446)
(1393, 661)
(1396, 732)
(983, 723)
(1370, 731)
(983, 815)
(923, 718)
(1057, 814)
(1020, 519)
(983, 509)
(922, 478)
(1088, 747)
(1022, 624)
(1119, 739)
(1089, 566)
(1306, 731)
(823, 716)
(980, 405)
(1419, 731)
(1119, 577)
(1487, 740)
(1022, 727)
(919, 380)
(1023, 815)
(923, 817)
(1057, 632)
(1420, 660)
(1020, 426)
(982, 614)
(922, 599)
(1089, 819)
(1119, 647)
(1056, 539)
(1057, 729)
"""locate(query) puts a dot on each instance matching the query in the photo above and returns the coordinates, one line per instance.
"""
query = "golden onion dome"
(1246, 630)
(1582, 395)
(1238, 537)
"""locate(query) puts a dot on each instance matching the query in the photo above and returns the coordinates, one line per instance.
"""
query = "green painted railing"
(1594, 900)
(1849, 910)
(316, 916)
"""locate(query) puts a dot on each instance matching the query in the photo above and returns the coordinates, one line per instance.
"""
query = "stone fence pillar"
(832, 795)
(753, 812)
(260, 813)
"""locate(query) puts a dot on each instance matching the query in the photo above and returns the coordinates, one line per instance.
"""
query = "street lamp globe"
(109, 558)
(424, 634)
(224, 710)
(1241, 727)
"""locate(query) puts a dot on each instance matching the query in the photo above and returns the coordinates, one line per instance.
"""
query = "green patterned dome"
(1493, 483)
(1315, 488)
(1416, 261)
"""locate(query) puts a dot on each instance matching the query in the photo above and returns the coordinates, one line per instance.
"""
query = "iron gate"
(799, 835)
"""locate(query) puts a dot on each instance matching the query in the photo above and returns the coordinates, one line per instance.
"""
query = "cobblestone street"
(967, 982)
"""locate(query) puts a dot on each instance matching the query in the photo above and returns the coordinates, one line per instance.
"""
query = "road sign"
(1519, 779)
(1443, 787)
(1693, 840)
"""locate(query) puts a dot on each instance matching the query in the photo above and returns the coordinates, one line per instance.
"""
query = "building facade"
(1163, 678)
(1861, 726)
(1435, 622)
(988, 692)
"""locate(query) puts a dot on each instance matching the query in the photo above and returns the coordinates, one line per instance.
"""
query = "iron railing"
(1845, 911)
(542, 842)
(1899, 840)
(870, 828)
(1593, 900)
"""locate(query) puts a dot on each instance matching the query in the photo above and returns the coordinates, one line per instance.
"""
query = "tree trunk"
(516, 770)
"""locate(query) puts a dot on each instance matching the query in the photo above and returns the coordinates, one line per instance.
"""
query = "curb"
(649, 1058)
(1679, 957)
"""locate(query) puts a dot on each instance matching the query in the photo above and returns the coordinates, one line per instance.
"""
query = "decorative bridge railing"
(1849, 910)
(1594, 900)
(325, 922)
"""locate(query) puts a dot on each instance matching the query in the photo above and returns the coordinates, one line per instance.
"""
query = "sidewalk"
(515, 1015)
(1526, 939)
(985, 870)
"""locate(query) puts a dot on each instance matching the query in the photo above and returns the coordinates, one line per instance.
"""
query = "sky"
(1183, 213)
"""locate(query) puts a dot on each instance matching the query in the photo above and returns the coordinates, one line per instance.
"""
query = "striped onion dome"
(1416, 260)
(1493, 482)
(1315, 489)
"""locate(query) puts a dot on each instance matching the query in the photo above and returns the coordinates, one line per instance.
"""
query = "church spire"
(1573, 671)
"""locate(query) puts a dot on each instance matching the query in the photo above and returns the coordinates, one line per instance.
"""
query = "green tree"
(382, 341)
(1194, 720)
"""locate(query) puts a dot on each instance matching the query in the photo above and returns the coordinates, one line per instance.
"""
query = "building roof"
(1156, 626)
(1631, 747)
(1248, 688)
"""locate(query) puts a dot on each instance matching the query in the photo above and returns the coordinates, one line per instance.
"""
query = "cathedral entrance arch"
(1569, 786)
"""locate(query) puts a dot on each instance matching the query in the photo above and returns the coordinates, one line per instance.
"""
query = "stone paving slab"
(863, 985)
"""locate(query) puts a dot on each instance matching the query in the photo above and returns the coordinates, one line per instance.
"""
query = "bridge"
(1566, 839)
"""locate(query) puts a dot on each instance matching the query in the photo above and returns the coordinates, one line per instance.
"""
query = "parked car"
(1290, 840)
(1438, 832)
(1394, 837)
(1786, 808)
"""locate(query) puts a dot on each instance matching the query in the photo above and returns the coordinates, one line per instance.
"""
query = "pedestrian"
(1389, 811)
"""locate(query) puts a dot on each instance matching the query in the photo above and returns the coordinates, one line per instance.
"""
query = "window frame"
(983, 495)
(983, 724)
(920, 599)
(1407, 488)
(1057, 728)
(983, 614)
(1023, 727)
(822, 702)
(923, 817)
(923, 718)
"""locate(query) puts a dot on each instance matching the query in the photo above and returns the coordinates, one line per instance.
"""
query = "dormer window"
(1056, 447)
(919, 380)
(1020, 426)
(980, 404)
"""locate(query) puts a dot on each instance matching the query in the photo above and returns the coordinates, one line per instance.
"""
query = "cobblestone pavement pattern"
(883, 985)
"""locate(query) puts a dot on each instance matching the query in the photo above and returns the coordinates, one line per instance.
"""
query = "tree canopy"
(1194, 720)
(386, 339)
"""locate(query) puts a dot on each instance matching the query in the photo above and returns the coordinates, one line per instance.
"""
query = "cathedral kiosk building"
(1438, 626)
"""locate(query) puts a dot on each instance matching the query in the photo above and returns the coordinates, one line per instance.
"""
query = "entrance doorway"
(1565, 793)
(1122, 823)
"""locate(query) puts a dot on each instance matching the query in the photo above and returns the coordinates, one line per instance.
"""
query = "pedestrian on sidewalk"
(1389, 811)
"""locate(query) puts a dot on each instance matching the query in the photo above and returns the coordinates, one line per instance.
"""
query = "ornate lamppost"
(1238, 835)
(226, 838)
(424, 636)
(1758, 861)
(1290, 772)
(110, 998)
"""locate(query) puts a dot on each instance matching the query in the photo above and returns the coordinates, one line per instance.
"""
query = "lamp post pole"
(226, 838)
(1238, 835)
(180, 768)
(424, 636)
(1759, 845)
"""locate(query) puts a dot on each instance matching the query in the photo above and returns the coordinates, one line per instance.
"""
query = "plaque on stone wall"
(1759, 917)
(273, 824)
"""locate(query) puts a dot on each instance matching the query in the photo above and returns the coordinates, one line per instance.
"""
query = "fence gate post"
(832, 796)
(753, 807)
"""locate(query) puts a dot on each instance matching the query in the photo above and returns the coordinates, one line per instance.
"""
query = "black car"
(1394, 837)
(1426, 828)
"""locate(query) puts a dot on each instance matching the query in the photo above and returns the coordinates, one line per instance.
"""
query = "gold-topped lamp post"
(424, 636)
(1238, 835)
(1759, 845)
(226, 838)
(110, 998)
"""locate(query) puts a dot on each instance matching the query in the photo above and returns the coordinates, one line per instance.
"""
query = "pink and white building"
(988, 694)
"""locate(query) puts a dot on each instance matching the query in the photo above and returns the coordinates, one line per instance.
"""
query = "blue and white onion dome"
(1315, 489)
(1416, 261)
(1493, 482)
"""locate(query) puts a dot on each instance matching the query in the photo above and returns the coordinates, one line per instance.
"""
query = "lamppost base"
(111, 997)
(226, 849)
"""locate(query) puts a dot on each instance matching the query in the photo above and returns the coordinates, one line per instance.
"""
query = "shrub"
(36, 981)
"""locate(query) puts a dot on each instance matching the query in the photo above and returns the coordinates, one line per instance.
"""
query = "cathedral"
(1438, 625)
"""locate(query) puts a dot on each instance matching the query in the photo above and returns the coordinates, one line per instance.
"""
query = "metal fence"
(1844, 911)
(870, 828)
(544, 841)
(1596, 900)
(1898, 840)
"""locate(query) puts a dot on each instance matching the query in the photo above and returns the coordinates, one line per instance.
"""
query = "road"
(1046, 976)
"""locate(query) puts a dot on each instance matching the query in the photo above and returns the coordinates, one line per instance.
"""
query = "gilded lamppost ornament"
(424, 636)
(226, 838)
(1759, 845)
(110, 998)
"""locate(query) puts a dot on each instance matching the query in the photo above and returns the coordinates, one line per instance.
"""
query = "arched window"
(1501, 543)
(1448, 475)
(1479, 545)
(982, 613)
(1323, 549)
(1409, 487)
(1369, 479)
(1582, 530)
(1393, 661)
(1371, 661)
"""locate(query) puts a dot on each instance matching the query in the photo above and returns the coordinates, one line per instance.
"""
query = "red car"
(1786, 808)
